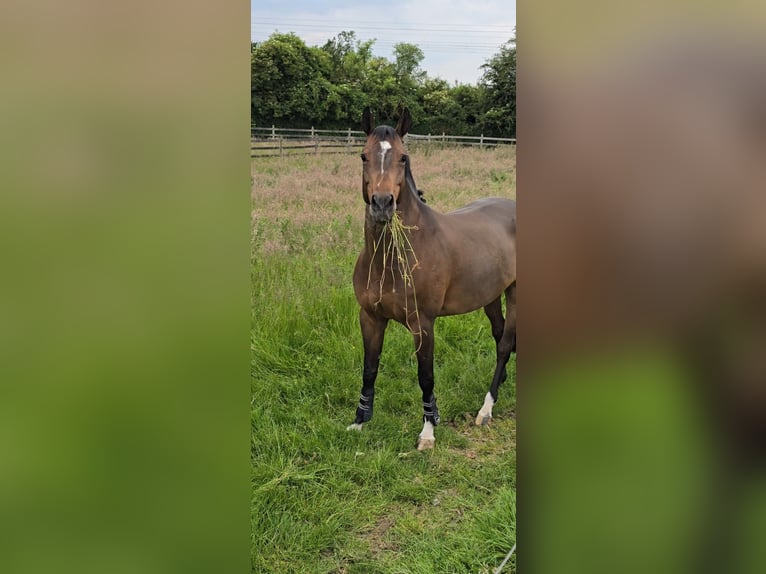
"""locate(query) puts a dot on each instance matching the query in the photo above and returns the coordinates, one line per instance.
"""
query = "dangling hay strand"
(398, 256)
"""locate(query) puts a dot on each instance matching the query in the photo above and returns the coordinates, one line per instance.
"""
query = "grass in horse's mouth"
(398, 255)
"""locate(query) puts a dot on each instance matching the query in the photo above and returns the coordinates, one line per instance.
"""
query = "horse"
(427, 265)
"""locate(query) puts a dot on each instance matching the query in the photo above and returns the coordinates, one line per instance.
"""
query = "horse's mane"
(411, 181)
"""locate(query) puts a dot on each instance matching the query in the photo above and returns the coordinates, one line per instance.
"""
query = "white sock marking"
(486, 408)
(428, 431)
(354, 426)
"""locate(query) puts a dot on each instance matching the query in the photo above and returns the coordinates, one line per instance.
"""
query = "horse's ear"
(405, 122)
(367, 120)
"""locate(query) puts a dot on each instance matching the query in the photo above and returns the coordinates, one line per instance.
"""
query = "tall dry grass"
(313, 191)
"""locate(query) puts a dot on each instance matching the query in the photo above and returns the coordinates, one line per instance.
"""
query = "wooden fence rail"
(273, 141)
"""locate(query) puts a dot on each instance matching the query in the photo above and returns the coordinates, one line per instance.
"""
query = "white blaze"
(384, 147)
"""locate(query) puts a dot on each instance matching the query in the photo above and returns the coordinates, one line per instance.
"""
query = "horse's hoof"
(354, 426)
(483, 420)
(425, 443)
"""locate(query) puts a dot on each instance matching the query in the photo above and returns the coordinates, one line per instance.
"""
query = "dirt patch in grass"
(378, 538)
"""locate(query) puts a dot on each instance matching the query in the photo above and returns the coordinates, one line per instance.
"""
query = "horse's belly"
(469, 292)
(465, 301)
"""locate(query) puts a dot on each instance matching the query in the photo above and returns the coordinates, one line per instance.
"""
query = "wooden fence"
(275, 141)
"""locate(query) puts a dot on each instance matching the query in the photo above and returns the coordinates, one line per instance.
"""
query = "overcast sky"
(456, 36)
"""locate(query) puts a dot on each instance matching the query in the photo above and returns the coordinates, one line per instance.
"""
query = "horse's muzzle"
(382, 207)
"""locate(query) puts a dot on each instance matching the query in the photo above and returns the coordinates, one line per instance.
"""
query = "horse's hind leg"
(504, 332)
(494, 312)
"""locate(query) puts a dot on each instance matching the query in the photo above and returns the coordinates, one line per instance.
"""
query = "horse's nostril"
(383, 201)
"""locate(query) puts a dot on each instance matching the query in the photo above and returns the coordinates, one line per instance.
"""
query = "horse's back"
(502, 203)
(488, 209)
(487, 212)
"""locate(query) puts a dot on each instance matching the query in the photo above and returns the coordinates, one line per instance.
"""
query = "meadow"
(325, 500)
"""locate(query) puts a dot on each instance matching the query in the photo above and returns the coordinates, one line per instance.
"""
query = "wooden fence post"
(481, 142)
(312, 132)
(348, 141)
(273, 131)
(280, 147)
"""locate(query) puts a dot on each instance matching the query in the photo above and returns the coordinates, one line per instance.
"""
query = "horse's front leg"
(373, 329)
(424, 345)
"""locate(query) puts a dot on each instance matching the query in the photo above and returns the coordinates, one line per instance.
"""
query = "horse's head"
(383, 165)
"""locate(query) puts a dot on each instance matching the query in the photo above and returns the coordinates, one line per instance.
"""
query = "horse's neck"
(411, 208)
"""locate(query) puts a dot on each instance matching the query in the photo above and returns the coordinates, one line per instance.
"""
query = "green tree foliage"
(499, 83)
(469, 100)
(296, 85)
(289, 82)
(350, 65)
(454, 110)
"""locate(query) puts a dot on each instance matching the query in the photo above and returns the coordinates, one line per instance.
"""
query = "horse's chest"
(391, 298)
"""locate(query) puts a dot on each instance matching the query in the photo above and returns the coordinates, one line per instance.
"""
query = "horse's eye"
(364, 157)
(404, 159)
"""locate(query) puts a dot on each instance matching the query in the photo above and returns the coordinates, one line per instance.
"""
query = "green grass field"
(328, 500)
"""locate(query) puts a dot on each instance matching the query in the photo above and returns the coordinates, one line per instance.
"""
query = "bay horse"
(442, 264)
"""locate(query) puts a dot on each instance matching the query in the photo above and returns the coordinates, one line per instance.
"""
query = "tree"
(350, 60)
(289, 82)
(407, 58)
(499, 84)
(468, 99)
(409, 77)
(295, 85)
(381, 90)
(440, 111)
